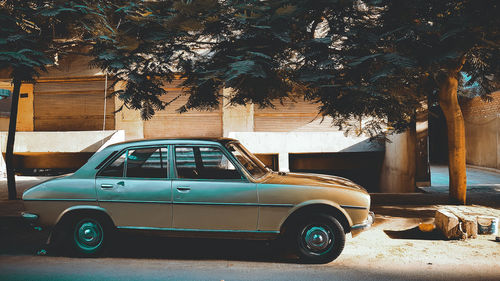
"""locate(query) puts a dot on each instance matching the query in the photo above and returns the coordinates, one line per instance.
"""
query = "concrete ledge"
(56, 149)
(77, 141)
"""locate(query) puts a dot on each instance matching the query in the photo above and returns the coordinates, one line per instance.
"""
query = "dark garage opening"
(364, 168)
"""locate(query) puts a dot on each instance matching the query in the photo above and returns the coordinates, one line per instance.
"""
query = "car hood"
(307, 179)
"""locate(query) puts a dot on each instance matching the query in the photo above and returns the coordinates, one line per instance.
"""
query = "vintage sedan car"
(197, 187)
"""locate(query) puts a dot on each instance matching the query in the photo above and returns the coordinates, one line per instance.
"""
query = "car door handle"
(105, 185)
(183, 189)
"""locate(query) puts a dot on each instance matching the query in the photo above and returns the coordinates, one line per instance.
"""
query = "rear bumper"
(31, 219)
(28, 217)
(358, 228)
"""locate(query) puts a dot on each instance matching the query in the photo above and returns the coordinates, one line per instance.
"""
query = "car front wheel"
(319, 238)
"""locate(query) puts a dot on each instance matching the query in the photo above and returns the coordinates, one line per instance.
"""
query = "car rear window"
(106, 160)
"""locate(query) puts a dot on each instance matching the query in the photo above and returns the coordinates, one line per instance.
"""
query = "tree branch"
(461, 63)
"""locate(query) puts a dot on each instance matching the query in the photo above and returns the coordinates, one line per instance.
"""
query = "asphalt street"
(61, 268)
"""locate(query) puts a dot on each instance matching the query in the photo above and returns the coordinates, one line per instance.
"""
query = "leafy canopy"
(356, 59)
(35, 33)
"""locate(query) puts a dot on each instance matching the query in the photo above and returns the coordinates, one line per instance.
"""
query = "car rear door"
(135, 190)
(209, 192)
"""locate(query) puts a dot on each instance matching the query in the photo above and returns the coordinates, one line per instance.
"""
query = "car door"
(135, 190)
(209, 192)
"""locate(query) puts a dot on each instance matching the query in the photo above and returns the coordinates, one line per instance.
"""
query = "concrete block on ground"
(468, 224)
(449, 224)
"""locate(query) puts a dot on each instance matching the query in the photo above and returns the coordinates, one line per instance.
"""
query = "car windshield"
(251, 163)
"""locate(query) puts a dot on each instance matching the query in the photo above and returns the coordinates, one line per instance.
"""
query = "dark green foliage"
(390, 56)
(371, 59)
(355, 59)
(34, 32)
(147, 45)
(214, 44)
(21, 50)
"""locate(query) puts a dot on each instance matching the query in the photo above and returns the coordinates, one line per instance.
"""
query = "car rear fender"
(320, 206)
(83, 209)
(66, 215)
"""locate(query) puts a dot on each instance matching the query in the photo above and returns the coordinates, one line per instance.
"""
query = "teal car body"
(193, 187)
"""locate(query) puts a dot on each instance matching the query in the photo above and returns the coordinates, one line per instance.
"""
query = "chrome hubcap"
(88, 234)
(317, 238)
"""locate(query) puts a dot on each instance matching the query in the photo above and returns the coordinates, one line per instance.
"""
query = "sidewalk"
(476, 176)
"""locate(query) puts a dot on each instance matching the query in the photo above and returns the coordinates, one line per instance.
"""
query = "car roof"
(89, 168)
(159, 141)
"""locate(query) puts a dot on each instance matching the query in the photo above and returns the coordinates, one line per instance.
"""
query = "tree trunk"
(448, 100)
(9, 152)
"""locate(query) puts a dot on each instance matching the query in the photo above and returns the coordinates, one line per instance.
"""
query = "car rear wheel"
(319, 238)
(89, 236)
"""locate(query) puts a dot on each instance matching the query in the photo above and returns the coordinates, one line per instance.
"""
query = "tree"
(409, 50)
(32, 33)
(20, 54)
(375, 59)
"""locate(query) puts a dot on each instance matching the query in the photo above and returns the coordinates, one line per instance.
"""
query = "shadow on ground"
(17, 238)
(421, 212)
(415, 234)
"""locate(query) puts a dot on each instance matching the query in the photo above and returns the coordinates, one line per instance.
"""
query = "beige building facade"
(67, 108)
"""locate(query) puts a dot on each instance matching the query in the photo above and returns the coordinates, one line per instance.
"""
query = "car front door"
(135, 190)
(210, 193)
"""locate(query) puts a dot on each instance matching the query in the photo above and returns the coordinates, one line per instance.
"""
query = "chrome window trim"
(246, 171)
(125, 150)
(224, 151)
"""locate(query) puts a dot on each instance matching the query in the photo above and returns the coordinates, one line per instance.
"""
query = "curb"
(487, 169)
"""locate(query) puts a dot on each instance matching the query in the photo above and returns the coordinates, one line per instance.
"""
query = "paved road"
(58, 268)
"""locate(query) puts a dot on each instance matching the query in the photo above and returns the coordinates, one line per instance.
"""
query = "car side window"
(115, 169)
(203, 163)
(148, 163)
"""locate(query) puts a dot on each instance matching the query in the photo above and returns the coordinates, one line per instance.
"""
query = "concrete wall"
(482, 131)
(128, 120)
(76, 141)
(56, 149)
(398, 168)
(4, 123)
(482, 138)
(236, 118)
(302, 142)
(25, 120)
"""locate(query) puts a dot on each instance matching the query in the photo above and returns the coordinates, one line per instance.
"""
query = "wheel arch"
(319, 206)
(91, 210)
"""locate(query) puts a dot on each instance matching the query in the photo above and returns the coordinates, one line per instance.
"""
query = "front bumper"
(358, 228)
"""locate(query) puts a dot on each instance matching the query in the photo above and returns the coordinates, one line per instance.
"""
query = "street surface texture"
(393, 249)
